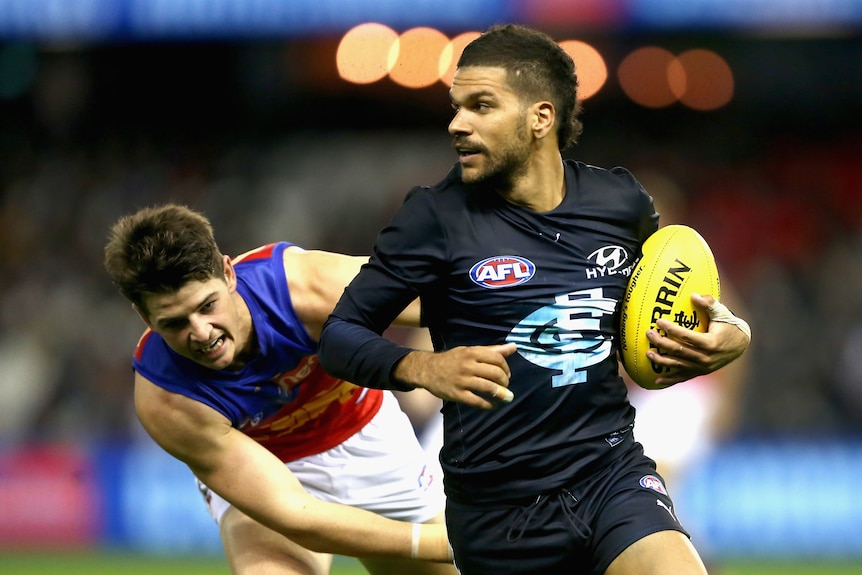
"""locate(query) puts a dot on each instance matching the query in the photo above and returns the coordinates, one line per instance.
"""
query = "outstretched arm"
(693, 353)
(258, 484)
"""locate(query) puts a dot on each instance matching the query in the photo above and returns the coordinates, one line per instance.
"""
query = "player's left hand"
(693, 353)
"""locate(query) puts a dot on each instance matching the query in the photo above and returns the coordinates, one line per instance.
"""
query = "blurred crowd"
(782, 213)
(784, 219)
(786, 227)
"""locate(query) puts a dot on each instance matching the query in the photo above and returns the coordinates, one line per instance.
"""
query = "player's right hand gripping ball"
(676, 263)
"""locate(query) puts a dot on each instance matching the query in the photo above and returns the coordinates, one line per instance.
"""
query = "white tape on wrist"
(719, 312)
(414, 544)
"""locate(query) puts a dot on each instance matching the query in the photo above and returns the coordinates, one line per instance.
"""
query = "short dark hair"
(159, 249)
(536, 66)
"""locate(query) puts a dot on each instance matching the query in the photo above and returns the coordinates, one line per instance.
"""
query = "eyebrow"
(163, 322)
(478, 95)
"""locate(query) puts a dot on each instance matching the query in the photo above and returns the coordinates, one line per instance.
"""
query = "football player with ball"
(522, 261)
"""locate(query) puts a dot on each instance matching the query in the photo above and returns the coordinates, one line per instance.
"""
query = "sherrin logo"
(502, 272)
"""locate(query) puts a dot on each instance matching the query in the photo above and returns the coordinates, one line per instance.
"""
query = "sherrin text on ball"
(676, 263)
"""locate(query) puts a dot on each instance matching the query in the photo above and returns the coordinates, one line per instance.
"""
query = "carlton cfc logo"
(502, 272)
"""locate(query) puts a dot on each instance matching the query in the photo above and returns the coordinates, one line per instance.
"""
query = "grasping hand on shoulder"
(693, 353)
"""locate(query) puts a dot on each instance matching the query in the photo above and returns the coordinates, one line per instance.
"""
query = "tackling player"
(293, 464)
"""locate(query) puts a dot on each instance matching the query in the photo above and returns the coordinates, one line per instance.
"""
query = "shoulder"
(609, 186)
(612, 195)
(262, 253)
(261, 270)
(155, 361)
(151, 350)
(311, 267)
(316, 280)
(617, 176)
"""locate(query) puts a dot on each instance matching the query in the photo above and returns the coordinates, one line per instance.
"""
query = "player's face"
(489, 130)
(203, 321)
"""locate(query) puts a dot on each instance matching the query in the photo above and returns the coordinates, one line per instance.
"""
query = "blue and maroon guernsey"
(282, 398)
(489, 272)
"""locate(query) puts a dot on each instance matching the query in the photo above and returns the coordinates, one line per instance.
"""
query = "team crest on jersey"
(502, 272)
(654, 483)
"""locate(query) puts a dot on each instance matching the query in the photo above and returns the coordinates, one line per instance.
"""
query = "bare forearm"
(264, 489)
(254, 481)
(349, 531)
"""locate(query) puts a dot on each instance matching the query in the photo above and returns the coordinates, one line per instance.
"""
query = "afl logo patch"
(502, 272)
(654, 483)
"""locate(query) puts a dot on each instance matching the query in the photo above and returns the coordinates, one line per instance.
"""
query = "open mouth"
(466, 151)
(212, 347)
(466, 154)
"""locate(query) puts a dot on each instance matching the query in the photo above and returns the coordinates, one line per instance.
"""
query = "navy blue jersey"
(490, 272)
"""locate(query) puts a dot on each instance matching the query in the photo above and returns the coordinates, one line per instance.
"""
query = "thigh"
(657, 554)
(252, 549)
(632, 510)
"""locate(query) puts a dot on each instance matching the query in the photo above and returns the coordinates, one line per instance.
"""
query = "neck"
(542, 187)
(248, 337)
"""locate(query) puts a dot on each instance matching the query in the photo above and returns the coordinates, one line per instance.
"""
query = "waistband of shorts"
(473, 492)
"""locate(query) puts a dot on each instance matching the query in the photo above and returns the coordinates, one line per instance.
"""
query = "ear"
(143, 315)
(543, 115)
(229, 274)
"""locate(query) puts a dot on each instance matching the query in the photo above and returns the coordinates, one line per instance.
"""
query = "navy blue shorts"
(579, 529)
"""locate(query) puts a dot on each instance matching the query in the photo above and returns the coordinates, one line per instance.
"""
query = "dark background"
(257, 130)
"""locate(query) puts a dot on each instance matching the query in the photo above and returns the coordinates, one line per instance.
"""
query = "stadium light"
(363, 53)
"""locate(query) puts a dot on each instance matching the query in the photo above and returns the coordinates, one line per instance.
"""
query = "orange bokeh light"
(362, 55)
(650, 76)
(709, 80)
(451, 53)
(589, 65)
(417, 62)
(644, 77)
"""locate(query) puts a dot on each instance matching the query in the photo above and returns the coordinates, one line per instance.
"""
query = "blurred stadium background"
(283, 120)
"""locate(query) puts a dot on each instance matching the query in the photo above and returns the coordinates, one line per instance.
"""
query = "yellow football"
(676, 263)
